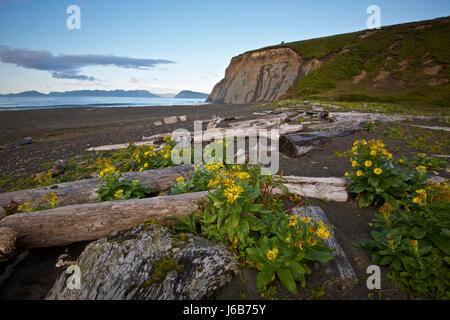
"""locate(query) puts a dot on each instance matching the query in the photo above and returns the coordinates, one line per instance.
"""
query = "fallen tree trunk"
(65, 225)
(84, 191)
(333, 189)
(8, 239)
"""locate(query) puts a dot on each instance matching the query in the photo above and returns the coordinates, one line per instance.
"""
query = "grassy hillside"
(406, 64)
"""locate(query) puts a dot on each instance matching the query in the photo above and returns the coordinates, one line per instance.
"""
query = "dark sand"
(60, 133)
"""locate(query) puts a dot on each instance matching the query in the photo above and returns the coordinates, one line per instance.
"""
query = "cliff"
(406, 64)
(263, 75)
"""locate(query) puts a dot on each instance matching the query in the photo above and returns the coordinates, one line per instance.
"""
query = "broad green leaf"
(287, 280)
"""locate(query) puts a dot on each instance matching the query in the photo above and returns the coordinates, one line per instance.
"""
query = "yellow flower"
(312, 242)
(312, 229)
(368, 163)
(323, 233)
(212, 183)
(293, 220)
(389, 155)
(233, 193)
(272, 254)
(354, 149)
(422, 155)
(359, 173)
(401, 161)
(421, 169)
(243, 175)
(141, 169)
(299, 244)
(166, 156)
(414, 243)
(146, 165)
(354, 163)
(180, 179)
(373, 153)
(118, 193)
(305, 220)
(346, 174)
(135, 181)
(378, 171)
(288, 239)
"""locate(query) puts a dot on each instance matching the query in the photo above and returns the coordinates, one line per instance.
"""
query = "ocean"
(31, 103)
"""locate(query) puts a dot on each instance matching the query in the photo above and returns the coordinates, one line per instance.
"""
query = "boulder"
(149, 262)
(2, 213)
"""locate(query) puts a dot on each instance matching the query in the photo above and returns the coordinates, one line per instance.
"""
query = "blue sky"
(194, 39)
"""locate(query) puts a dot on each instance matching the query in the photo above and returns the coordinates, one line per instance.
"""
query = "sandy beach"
(62, 133)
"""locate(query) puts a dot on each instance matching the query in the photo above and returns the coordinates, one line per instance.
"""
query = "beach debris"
(84, 191)
(183, 118)
(8, 238)
(334, 189)
(339, 267)
(171, 120)
(432, 128)
(214, 123)
(157, 123)
(91, 221)
(25, 141)
(149, 262)
(58, 167)
(111, 147)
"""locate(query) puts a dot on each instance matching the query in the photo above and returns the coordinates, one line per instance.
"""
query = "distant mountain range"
(85, 93)
(186, 94)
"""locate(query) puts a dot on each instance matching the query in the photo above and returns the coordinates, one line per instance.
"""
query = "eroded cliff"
(263, 75)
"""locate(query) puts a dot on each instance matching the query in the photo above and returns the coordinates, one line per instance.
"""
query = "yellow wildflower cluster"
(422, 195)
(118, 193)
(52, 199)
(24, 207)
(107, 170)
(272, 254)
(371, 154)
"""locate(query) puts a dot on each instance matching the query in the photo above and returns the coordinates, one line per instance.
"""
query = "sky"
(166, 46)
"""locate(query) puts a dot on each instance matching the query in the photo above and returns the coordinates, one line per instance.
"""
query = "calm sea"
(30, 103)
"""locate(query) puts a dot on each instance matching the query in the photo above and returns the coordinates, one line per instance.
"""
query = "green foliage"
(431, 163)
(116, 188)
(414, 242)
(241, 211)
(374, 178)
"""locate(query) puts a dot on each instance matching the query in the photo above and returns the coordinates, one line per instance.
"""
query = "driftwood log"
(334, 189)
(91, 221)
(84, 191)
(8, 239)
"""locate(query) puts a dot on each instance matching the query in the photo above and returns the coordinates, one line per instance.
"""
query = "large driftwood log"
(69, 224)
(84, 191)
(334, 189)
(8, 239)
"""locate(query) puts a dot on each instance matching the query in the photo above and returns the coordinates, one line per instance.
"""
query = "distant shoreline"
(37, 103)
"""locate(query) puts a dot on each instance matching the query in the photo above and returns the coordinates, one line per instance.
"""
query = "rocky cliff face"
(263, 75)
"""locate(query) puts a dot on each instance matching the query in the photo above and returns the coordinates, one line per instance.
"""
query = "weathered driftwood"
(432, 128)
(84, 191)
(112, 147)
(8, 239)
(25, 141)
(334, 189)
(125, 267)
(69, 224)
(339, 266)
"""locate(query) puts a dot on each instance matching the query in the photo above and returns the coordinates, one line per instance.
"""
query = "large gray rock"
(149, 263)
(263, 75)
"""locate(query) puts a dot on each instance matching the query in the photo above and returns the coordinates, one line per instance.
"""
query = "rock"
(58, 167)
(214, 123)
(8, 239)
(149, 262)
(263, 75)
(157, 123)
(2, 213)
(339, 267)
(170, 120)
(183, 118)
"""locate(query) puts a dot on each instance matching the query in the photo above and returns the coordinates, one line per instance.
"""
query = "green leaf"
(243, 230)
(287, 280)
(264, 276)
(442, 242)
(256, 224)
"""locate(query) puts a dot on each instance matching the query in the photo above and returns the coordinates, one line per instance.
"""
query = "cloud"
(69, 66)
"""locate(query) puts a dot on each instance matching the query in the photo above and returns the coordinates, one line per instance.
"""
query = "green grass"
(401, 50)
